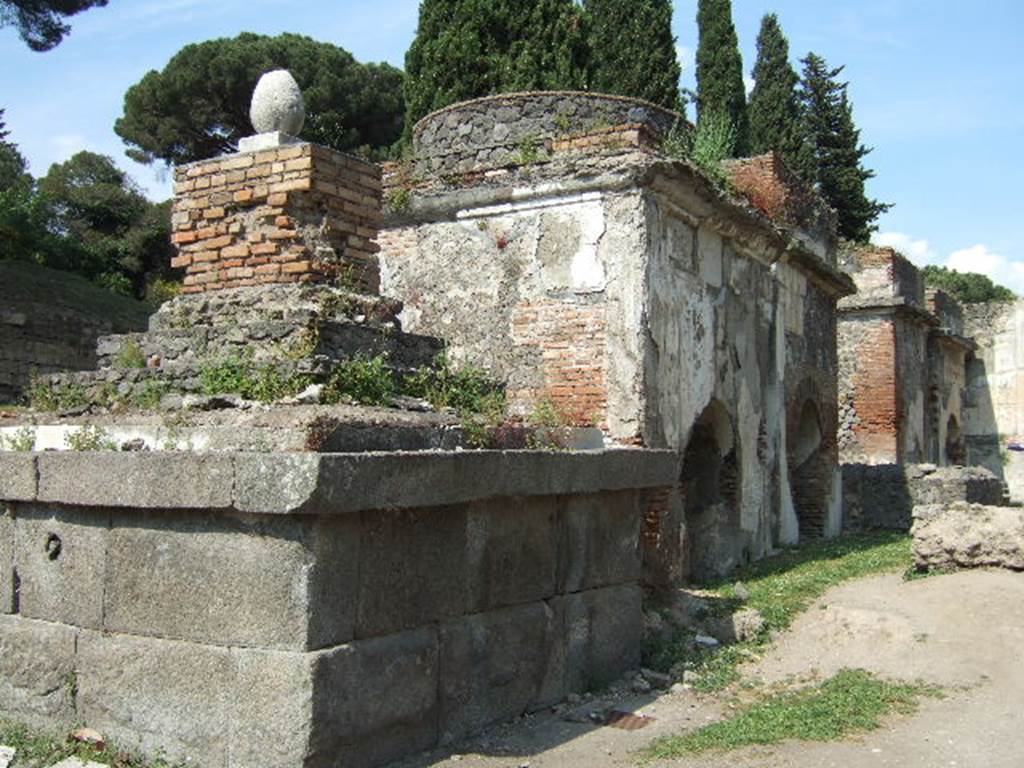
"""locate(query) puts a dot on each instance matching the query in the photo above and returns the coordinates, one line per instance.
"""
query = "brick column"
(298, 213)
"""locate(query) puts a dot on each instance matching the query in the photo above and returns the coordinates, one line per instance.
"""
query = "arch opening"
(956, 451)
(809, 477)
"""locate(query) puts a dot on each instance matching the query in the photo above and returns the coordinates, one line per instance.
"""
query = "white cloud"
(748, 83)
(687, 58)
(918, 251)
(65, 145)
(978, 258)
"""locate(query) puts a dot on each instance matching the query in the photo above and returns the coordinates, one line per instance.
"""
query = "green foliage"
(198, 106)
(239, 375)
(478, 400)
(150, 395)
(43, 396)
(397, 200)
(965, 287)
(853, 701)
(363, 380)
(720, 88)
(713, 143)
(774, 107)
(13, 166)
(36, 747)
(130, 355)
(546, 413)
(41, 23)
(22, 441)
(634, 50)
(780, 588)
(89, 438)
(529, 150)
(469, 48)
(834, 155)
(161, 290)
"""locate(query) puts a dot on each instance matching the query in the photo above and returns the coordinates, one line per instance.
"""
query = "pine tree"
(835, 152)
(470, 48)
(720, 70)
(774, 107)
(13, 168)
(634, 50)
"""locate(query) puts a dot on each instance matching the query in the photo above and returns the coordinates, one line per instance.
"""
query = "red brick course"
(300, 213)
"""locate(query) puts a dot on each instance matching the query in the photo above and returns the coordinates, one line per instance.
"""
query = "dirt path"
(964, 632)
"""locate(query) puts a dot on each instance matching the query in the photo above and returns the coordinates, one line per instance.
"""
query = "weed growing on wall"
(44, 396)
(89, 438)
(713, 143)
(129, 356)
(241, 376)
(22, 441)
(363, 380)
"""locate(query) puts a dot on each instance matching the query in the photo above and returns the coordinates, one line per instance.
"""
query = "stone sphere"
(277, 104)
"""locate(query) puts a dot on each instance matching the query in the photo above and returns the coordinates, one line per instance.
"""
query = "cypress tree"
(469, 48)
(835, 154)
(720, 70)
(634, 50)
(774, 107)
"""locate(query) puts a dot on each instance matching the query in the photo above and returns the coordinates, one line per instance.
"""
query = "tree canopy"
(966, 287)
(198, 106)
(774, 107)
(834, 156)
(41, 22)
(13, 167)
(634, 50)
(464, 49)
(720, 88)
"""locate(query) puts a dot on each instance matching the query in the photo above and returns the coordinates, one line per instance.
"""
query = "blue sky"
(935, 87)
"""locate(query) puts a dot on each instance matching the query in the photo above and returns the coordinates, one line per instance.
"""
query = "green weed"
(89, 438)
(22, 441)
(55, 397)
(264, 382)
(130, 355)
(853, 701)
(363, 380)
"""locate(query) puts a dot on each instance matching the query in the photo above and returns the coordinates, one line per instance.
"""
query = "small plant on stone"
(397, 200)
(678, 142)
(546, 413)
(149, 395)
(22, 441)
(129, 356)
(44, 396)
(363, 380)
(89, 438)
(713, 143)
(529, 150)
(563, 123)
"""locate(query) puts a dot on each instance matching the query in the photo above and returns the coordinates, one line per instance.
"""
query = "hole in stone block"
(54, 546)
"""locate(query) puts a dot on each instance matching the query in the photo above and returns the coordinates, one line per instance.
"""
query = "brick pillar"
(298, 213)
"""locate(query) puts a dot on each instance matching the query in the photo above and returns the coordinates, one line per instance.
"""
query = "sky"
(935, 86)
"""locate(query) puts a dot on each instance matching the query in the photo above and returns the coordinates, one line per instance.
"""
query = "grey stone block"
(376, 700)
(6, 560)
(216, 579)
(37, 668)
(271, 709)
(17, 476)
(60, 555)
(497, 665)
(413, 569)
(604, 628)
(140, 480)
(158, 695)
(333, 583)
(599, 541)
(511, 546)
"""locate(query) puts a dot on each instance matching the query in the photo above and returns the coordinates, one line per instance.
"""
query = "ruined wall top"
(497, 129)
(884, 277)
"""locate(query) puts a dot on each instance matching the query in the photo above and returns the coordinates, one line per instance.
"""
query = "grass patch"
(241, 376)
(363, 380)
(35, 747)
(853, 701)
(780, 588)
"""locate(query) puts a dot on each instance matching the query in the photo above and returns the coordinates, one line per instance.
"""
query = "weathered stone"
(6, 560)
(599, 542)
(277, 104)
(17, 476)
(211, 579)
(141, 480)
(37, 670)
(272, 709)
(161, 695)
(60, 555)
(511, 552)
(497, 665)
(604, 628)
(415, 569)
(376, 700)
(964, 535)
(333, 583)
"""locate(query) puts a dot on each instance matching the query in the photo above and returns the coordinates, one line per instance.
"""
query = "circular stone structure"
(277, 104)
(492, 129)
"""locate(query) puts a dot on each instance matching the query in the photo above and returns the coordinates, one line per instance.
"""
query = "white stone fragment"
(74, 762)
(277, 104)
(6, 756)
(262, 141)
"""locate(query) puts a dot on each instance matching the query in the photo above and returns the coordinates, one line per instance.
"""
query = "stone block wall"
(883, 496)
(297, 610)
(50, 321)
(295, 213)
